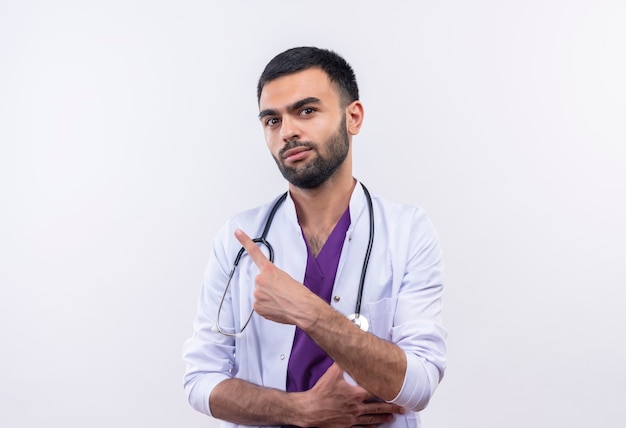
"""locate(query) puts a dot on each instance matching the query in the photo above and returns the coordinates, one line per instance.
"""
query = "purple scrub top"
(308, 362)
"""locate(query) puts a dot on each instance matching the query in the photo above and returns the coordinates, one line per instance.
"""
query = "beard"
(317, 171)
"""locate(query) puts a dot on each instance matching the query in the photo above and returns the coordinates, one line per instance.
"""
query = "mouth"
(296, 154)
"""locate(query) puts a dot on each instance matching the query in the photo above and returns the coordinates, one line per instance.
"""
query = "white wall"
(128, 134)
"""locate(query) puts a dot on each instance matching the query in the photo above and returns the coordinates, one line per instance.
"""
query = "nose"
(289, 129)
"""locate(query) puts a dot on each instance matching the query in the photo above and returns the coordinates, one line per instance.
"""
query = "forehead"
(291, 88)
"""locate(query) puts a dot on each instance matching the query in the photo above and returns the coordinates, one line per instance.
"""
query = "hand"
(336, 403)
(278, 297)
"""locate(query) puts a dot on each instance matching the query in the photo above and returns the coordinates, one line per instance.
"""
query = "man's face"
(305, 127)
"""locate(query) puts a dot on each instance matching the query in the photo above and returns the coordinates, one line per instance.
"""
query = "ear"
(354, 117)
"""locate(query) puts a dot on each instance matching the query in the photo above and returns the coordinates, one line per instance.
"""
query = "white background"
(128, 134)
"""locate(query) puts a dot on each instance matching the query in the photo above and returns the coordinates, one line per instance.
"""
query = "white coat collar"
(357, 206)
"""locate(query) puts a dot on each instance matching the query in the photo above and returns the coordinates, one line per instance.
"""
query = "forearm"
(244, 403)
(376, 364)
(332, 402)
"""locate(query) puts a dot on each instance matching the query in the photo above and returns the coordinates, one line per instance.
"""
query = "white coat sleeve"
(417, 326)
(209, 356)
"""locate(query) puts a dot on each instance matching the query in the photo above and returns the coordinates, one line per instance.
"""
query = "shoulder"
(398, 213)
(254, 218)
(252, 221)
(404, 225)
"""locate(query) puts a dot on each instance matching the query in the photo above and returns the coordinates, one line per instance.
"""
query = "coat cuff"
(420, 381)
(198, 393)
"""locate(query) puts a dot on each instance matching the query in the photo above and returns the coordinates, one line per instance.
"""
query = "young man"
(346, 328)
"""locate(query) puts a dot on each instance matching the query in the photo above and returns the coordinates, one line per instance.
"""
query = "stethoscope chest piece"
(360, 321)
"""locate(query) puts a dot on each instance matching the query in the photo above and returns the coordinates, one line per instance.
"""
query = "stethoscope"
(359, 320)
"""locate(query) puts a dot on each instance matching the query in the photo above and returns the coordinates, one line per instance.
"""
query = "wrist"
(301, 403)
(310, 312)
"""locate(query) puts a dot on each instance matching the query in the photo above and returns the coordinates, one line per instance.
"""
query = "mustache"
(290, 144)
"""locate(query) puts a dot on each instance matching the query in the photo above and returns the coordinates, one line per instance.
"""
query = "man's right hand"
(333, 402)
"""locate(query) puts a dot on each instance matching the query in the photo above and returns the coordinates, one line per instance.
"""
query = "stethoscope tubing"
(368, 252)
(263, 240)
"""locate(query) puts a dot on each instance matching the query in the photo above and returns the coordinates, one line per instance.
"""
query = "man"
(299, 360)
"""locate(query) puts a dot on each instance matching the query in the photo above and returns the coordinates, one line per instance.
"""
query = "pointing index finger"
(252, 249)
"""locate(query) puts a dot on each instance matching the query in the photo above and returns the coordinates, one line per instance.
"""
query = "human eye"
(271, 121)
(307, 111)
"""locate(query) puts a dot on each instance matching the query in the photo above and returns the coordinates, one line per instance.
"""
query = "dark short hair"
(303, 58)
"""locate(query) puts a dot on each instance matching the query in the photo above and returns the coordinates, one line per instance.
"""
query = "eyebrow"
(295, 106)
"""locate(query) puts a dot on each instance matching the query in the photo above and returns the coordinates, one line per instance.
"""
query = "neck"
(320, 209)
